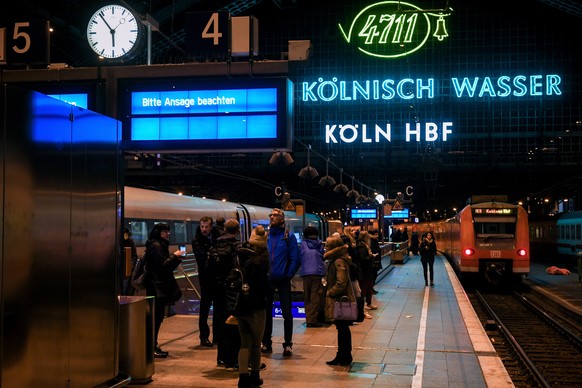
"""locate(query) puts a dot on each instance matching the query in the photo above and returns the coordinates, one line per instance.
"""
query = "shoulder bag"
(344, 309)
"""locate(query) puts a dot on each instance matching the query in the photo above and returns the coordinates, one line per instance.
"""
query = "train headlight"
(521, 252)
(469, 252)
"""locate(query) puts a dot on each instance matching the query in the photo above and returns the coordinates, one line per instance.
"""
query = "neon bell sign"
(392, 29)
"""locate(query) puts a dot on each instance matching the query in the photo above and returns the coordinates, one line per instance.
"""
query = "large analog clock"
(113, 32)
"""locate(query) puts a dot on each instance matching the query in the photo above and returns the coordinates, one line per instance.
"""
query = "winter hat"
(258, 236)
(333, 242)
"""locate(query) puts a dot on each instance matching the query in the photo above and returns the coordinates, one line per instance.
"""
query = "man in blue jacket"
(284, 257)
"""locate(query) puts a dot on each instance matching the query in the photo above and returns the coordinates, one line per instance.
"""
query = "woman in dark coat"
(428, 250)
(160, 266)
(339, 284)
(254, 258)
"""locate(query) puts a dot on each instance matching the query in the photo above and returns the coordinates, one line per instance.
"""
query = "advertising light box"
(211, 115)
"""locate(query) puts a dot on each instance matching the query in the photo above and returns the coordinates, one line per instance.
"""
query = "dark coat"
(160, 264)
(427, 249)
(338, 279)
(200, 246)
(254, 258)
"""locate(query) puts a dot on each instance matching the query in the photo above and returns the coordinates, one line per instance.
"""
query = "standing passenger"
(128, 243)
(201, 243)
(220, 261)
(312, 270)
(365, 260)
(160, 266)
(254, 258)
(285, 260)
(427, 252)
(377, 251)
(338, 285)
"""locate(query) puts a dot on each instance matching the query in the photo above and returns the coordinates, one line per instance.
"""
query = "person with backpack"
(201, 243)
(221, 260)
(285, 261)
(254, 263)
(160, 281)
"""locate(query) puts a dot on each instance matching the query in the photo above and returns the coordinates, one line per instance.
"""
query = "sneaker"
(373, 307)
(367, 315)
(287, 351)
(266, 349)
(432, 284)
(231, 367)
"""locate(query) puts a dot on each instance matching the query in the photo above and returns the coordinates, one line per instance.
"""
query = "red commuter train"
(488, 240)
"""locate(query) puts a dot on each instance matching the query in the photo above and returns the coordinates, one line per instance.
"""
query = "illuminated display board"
(404, 213)
(76, 99)
(495, 211)
(364, 213)
(205, 115)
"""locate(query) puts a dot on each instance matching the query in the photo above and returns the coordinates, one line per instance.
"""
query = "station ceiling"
(435, 180)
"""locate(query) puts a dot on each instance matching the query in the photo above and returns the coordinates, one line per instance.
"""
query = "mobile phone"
(183, 248)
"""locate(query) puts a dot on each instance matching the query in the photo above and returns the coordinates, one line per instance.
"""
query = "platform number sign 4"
(207, 34)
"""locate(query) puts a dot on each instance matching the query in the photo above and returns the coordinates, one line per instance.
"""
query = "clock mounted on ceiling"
(114, 32)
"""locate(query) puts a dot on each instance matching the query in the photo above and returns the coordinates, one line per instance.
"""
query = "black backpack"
(139, 274)
(237, 290)
(221, 257)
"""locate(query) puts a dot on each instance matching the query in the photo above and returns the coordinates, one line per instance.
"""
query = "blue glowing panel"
(51, 123)
(364, 213)
(404, 213)
(207, 114)
(76, 99)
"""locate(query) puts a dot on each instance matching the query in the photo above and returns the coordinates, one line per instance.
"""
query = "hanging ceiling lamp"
(341, 187)
(327, 179)
(308, 170)
(353, 193)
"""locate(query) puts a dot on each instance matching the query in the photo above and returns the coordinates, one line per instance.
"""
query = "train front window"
(489, 230)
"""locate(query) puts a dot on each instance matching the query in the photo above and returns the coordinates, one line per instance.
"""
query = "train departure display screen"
(495, 211)
(364, 213)
(76, 99)
(208, 115)
(404, 213)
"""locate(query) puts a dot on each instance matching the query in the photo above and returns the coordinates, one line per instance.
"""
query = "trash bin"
(136, 338)
(397, 256)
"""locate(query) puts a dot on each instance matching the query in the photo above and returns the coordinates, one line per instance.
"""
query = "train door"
(245, 222)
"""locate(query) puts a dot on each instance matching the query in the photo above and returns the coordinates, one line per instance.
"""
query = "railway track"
(539, 347)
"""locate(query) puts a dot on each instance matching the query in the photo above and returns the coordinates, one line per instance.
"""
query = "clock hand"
(107, 24)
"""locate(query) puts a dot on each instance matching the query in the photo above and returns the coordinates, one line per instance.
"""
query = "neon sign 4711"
(392, 29)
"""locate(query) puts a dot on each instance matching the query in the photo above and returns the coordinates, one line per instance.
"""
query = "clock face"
(113, 32)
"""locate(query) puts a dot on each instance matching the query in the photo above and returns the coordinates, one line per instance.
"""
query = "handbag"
(168, 290)
(139, 275)
(345, 310)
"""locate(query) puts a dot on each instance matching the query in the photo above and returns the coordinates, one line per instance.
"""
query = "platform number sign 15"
(207, 34)
(25, 42)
